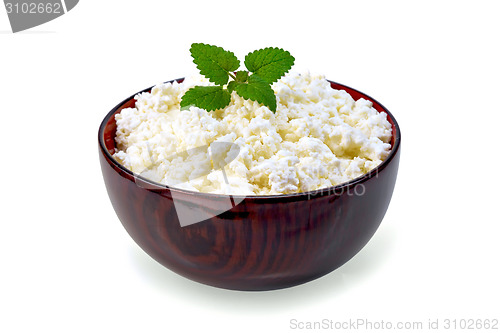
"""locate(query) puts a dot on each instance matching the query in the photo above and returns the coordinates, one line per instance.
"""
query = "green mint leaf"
(209, 98)
(214, 62)
(218, 65)
(270, 63)
(257, 89)
(241, 76)
(231, 86)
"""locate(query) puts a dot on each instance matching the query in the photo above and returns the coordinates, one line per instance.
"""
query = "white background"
(67, 264)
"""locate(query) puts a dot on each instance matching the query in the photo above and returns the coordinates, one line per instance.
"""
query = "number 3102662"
(33, 8)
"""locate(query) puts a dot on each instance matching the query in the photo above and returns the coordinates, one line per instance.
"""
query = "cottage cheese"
(318, 137)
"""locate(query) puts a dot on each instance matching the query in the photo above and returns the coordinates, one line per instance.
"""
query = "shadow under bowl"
(263, 242)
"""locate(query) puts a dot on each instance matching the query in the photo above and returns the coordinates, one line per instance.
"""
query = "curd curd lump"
(318, 137)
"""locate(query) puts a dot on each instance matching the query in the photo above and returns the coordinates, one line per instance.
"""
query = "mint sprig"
(266, 66)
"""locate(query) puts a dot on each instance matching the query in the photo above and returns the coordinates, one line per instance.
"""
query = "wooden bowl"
(262, 243)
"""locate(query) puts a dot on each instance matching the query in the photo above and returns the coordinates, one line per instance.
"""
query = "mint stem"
(231, 75)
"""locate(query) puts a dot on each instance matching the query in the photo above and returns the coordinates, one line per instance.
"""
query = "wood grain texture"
(264, 242)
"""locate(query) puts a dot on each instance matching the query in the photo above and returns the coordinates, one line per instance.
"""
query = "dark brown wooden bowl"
(264, 242)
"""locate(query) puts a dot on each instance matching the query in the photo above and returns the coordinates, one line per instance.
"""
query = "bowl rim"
(314, 193)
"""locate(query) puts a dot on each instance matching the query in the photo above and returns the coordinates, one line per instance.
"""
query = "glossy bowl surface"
(262, 243)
